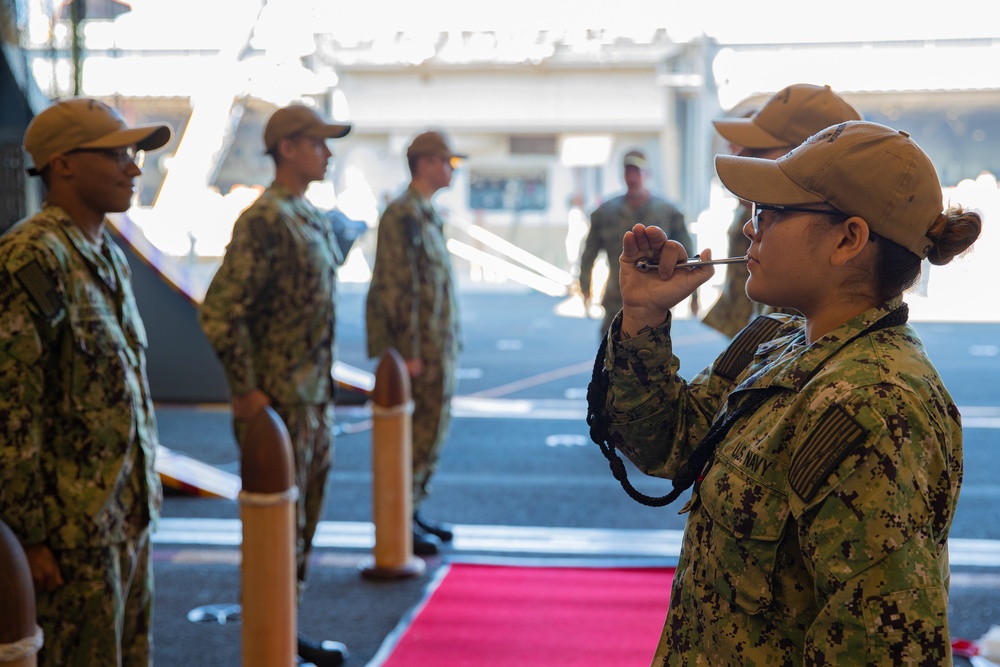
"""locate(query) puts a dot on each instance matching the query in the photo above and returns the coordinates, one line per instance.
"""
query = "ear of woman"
(853, 241)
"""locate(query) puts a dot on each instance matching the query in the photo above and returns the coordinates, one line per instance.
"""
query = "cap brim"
(145, 137)
(762, 181)
(330, 130)
(744, 132)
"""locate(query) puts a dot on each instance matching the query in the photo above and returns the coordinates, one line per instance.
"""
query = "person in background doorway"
(613, 218)
(412, 306)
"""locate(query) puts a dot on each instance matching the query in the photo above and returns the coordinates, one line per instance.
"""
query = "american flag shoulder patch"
(833, 438)
(42, 290)
(740, 352)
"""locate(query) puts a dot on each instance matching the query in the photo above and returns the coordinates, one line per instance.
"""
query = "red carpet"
(504, 616)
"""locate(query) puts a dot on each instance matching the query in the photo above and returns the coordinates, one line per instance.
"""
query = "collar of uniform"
(798, 368)
(642, 205)
(278, 191)
(91, 255)
(420, 202)
(300, 206)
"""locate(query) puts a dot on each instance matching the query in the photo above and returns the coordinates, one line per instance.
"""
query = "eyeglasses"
(315, 142)
(756, 208)
(123, 157)
(451, 160)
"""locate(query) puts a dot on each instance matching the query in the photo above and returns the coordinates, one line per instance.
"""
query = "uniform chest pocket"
(313, 265)
(740, 545)
(94, 338)
(100, 360)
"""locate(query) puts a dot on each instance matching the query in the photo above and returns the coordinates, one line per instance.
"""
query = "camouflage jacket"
(608, 224)
(412, 305)
(818, 534)
(78, 434)
(269, 312)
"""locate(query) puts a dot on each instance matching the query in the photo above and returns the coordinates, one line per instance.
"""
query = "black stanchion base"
(412, 568)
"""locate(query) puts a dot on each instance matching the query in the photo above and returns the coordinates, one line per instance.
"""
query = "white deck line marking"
(534, 380)
(512, 539)
(485, 407)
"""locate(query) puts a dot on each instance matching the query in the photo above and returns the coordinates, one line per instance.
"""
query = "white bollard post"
(392, 473)
(268, 570)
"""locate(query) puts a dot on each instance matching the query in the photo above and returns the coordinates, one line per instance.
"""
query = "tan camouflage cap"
(635, 158)
(790, 117)
(83, 122)
(858, 167)
(300, 119)
(432, 143)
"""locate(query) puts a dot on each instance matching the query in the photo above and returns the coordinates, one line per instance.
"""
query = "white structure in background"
(545, 97)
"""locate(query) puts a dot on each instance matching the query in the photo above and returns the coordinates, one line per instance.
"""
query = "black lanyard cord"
(693, 468)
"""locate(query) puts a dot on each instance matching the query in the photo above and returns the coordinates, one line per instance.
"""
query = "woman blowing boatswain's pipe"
(823, 451)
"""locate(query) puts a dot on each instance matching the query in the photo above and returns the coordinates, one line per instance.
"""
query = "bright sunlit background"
(545, 97)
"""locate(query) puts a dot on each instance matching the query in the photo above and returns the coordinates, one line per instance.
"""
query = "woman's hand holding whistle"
(648, 295)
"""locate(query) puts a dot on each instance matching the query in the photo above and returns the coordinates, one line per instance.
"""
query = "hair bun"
(953, 232)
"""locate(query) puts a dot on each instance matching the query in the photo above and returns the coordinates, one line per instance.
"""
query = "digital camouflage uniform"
(79, 437)
(269, 313)
(608, 224)
(818, 535)
(412, 307)
(733, 310)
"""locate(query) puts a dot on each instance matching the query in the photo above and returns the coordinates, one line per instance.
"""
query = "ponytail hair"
(953, 232)
(897, 269)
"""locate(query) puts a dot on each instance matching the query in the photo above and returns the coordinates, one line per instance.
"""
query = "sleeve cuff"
(638, 360)
(243, 383)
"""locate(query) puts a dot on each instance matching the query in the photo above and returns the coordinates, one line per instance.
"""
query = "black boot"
(443, 531)
(425, 544)
(324, 653)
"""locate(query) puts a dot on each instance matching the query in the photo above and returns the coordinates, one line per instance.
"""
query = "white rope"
(263, 499)
(22, 648)
(392, 410)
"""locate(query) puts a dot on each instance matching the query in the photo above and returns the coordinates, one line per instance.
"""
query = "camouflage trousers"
(102, 614)
(432, 391)
(310, 429)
